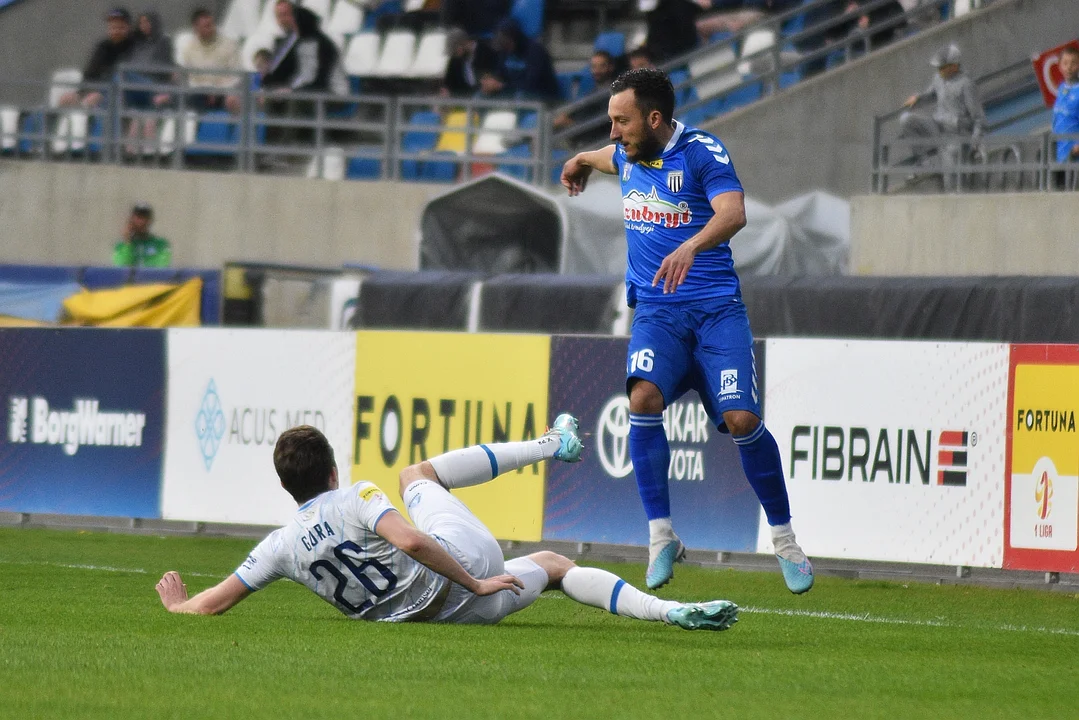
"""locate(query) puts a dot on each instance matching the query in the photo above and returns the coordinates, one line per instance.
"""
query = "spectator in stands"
(210, 50)
(860, 25)
(735, 15)
(306, 59)
(107, 54)
(152, 48)
(603, 69)
(959, 117)
(139, 247)
(468, 59)
(1066, 107)
(493, 85)
(525, 64)
(672, 26)
(641, 58)
(261, 60)
(478, 18)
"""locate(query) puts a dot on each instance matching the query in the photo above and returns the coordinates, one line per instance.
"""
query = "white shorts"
(438, 513)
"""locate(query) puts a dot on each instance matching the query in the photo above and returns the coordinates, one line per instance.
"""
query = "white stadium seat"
(496, 123)
(71, 126)
(362, 56)
(168, 131)
(715, 62)
(431, 56)
(241, 18)
(346, 19)
(63, 81)
(413, 5)
(398, 50)
(755, 42)
(319, 7)
(9, 126)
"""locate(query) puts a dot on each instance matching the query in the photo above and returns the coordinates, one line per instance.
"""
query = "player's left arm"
(730, 217)
(212, 601)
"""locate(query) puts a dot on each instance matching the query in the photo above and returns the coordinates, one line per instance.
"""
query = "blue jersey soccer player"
(682, 203)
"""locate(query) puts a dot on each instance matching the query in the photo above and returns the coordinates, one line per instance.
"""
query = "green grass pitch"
(83, 635)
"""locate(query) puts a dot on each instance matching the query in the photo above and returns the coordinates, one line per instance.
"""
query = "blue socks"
(764, 470)
(651, 456)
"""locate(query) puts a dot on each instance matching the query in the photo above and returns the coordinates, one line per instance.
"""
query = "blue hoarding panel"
(84, 420)
(596, 500)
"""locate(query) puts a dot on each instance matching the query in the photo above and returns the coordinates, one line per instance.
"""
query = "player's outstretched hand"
(674, 268)
(498, 583)
(575, 175)
(172, 590)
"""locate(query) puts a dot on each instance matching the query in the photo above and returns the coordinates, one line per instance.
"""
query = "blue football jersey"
(666, 201)
(1066, 117)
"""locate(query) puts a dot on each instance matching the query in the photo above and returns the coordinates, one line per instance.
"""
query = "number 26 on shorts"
(643, 360)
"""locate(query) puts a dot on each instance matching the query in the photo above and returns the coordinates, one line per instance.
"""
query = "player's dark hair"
(304, 461)
(1070, 50)
(199, 13)
(651, 88)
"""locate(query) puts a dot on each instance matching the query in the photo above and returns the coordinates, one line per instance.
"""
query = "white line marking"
(100, 568)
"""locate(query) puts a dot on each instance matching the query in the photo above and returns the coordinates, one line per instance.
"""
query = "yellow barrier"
(421, 394)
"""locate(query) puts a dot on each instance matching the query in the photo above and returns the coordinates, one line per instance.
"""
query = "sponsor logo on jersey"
(645, 212)
(369, 492)
(654, 164)
(32, 420)
(674, 181)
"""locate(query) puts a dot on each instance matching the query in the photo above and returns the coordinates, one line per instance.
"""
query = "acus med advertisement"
(596, 500)
(894, 451)
(1042, 511)
(422, 394)
(84, 412)
(231, 394)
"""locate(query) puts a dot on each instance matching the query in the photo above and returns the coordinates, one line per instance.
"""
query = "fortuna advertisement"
(596, 500)
(83, 421)
(422, 394)
(231, 394)
(893, 450)
(1042, 492)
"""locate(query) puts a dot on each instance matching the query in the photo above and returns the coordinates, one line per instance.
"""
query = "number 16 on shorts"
(643, 360)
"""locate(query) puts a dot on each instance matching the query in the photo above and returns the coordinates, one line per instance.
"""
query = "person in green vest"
(139, 247)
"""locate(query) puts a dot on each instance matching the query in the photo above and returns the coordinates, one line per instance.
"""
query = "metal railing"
(151, 116)
(997, 162)
(718, 71)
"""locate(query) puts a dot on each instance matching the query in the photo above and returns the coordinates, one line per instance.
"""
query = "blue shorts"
(704, 345)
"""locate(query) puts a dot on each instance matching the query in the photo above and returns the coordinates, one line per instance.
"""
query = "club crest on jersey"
(674, 181)
(626, 170)
(645, 212)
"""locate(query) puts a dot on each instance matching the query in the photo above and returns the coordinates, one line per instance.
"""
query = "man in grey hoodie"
(959, 117)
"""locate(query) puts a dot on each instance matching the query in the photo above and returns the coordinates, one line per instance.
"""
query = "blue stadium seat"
(370, 18)
(33, 123)
(96, 133)
(529, 15)
(99, 278)
(217, 128)
(558, 159)
(612, 41)
(363, 168)
(419, 141)
(152, 276)
(796, 24)
(586, 85)
(439, 171)
(742, 96)
(567, 86)
(521, 172)
(685, 95)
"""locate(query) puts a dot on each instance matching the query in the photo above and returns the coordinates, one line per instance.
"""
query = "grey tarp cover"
(497, 224)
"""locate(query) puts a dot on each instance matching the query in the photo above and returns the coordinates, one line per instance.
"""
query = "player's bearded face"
(631, 130)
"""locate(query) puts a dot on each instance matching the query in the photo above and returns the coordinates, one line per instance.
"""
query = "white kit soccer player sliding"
(353, 549)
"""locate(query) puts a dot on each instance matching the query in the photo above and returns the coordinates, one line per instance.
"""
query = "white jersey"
(331, 547)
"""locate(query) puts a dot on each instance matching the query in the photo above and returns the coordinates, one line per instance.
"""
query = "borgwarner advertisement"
(84, 414)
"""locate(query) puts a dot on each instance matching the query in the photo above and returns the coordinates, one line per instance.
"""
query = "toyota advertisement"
(596, 500)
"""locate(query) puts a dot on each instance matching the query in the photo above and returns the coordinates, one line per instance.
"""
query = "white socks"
(785, 545)
(599, 588)
(660, 532)
(481, 463)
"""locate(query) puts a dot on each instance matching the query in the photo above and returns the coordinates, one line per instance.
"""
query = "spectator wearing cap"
(139, 247)
(959, 112)
(114, 49)
(469, 58)
(211, 50)
(958, 118)
(525, 64)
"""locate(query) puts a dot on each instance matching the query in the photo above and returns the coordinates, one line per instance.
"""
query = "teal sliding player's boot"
(661, 566)
(565, 429)
(795, 566)
(714, 615)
